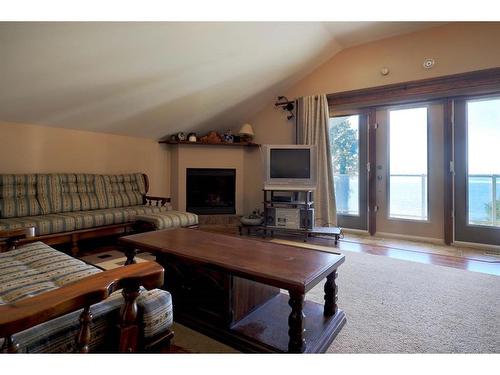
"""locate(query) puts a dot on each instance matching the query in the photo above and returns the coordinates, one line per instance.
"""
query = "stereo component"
(290, 218)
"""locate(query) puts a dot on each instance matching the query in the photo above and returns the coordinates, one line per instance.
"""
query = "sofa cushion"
(71, 192)
(169, 219)
(125, 190)
(69, 221)
(18, 196)
(36, 268)
(109, 216)
(44, 224)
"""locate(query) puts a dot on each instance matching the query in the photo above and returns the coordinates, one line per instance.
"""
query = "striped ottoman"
(166, 220)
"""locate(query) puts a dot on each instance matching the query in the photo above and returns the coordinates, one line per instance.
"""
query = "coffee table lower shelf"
(334, 232)
(265, 329)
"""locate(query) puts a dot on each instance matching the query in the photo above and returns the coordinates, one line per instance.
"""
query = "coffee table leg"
(130, 253)
(330, 295)
(296, 324)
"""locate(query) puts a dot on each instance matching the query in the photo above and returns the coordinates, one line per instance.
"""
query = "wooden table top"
(283, 266)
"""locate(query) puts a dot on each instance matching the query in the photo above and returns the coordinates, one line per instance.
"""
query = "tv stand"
(300, 199)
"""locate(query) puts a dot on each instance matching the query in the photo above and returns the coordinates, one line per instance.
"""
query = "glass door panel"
(347, 136)
(408, 164)
(483, 167)
(477, 168)
(409, 180)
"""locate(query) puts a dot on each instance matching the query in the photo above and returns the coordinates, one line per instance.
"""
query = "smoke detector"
(428, 63)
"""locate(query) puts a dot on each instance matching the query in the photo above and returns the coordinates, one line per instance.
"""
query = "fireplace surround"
(211, 191)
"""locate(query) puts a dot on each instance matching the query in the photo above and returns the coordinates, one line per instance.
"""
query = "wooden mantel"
(234, 144)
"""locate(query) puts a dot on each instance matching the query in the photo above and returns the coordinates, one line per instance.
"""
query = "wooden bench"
(27, 313)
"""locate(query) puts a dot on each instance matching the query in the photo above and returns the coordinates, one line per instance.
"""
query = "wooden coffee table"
(229, 288)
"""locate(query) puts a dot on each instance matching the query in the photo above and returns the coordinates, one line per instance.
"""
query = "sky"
(408, 141)
(483, 132)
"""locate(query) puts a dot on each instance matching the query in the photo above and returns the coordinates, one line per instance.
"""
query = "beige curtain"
(312, 129)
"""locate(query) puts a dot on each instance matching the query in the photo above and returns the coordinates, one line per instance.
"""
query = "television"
(290, 167)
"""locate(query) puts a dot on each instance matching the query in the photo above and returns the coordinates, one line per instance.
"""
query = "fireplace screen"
(210, 191)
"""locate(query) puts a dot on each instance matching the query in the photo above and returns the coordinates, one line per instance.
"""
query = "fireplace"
(210, 191)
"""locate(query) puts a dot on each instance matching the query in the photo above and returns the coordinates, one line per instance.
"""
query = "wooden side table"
(9, 238)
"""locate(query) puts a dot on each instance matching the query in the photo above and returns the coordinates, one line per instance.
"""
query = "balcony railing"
(483, 199)
(408, 196)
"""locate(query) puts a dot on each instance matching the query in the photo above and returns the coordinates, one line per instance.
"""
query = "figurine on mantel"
(228, 136)
(179, 137)
(212, 137)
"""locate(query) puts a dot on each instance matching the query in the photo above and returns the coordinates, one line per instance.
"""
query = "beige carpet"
(396, 306)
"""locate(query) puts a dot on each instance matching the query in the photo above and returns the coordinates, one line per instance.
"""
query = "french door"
(348, 136)
(477, 170)
(409, 170)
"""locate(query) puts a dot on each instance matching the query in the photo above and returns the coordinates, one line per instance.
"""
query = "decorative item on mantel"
(246, 133)
(228, 136)
(215, 138)
(178, 137)
(255, 218)
(212, 137)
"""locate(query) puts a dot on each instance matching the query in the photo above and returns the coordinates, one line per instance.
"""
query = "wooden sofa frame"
(81, 294)
(75, 236)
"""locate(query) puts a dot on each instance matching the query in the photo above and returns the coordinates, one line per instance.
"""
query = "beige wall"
(456, 48)
(38, 149)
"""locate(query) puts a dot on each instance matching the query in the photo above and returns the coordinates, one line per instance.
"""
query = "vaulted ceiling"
(153, 79)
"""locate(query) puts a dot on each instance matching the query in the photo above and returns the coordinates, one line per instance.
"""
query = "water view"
(407, 198)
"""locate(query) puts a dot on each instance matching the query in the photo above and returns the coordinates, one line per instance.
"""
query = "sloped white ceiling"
(153, 79)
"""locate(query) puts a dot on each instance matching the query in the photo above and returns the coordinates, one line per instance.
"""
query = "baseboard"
(482, 246)
(437, 241)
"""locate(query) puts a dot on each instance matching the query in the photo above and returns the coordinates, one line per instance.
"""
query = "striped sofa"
(36, 268)
(70, 207)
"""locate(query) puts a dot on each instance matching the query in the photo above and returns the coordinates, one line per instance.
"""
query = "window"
(408, 164)
(344, 144)
(483, 162)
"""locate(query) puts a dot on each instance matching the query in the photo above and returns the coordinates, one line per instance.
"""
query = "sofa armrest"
(156, 201)
(29, 312)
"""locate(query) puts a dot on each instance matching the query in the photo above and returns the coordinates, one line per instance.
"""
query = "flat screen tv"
(289, 167)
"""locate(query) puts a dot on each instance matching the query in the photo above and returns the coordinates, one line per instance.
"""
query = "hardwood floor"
(421, 252)
(418, 252)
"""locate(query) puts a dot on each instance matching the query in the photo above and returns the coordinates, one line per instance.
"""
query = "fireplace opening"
(210, 191)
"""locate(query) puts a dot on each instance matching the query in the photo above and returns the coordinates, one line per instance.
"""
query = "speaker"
(271, 217)
(307, 218)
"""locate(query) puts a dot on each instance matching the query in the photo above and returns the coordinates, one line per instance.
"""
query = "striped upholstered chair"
(51, 302)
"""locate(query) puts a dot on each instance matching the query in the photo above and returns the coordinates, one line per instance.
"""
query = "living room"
(185, 188)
